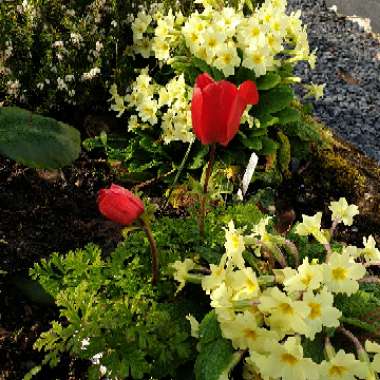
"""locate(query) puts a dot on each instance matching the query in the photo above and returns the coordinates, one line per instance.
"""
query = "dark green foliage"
(215, 353)
(288, 115)
(274, 100)
(36, 141)
(314, 349)
(268, 81)
(362, 309)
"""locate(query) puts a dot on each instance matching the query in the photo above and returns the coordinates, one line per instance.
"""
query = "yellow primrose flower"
(285, 361)
(342, 272)
(148, 111)
(140, 25)
(343, 367)
(374, 347)
(352, 251)
(370, 252)
(343, 212)
(275, 43)
(227, 59)
(194, 325)
(182, 269)
(217, 276)
(143, 47)
(314, 91)
(118, 105)
(213, 39)
(258, 59)
(245, 333)
(228, 20)
(234, 246)
(251, 33)
(307, 277)
(321, 312)
(244, 283)
(312, 59)
(285, 315)
(221, 297)
(311, 225)
(161, 49)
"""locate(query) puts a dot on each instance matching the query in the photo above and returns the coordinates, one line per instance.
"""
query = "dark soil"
(43, 212)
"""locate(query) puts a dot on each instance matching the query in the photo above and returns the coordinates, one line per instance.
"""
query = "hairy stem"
(358, 346)
(202, 214)
(153, 250)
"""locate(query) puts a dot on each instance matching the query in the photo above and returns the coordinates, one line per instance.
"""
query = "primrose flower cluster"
(222, 37)
(266, 315)
(148, 100)
(217, 35)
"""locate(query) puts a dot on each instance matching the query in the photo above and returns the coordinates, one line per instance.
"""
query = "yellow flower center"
(250, 285)
(255, 31)
(227, 58)
(258, 59)
(306, 279)
(211, 42)
(235, 241)
(289, 359)
(194, 37)
(339, 273)
(270, 40)
(250, 334)
(337, 370)
(315, 310)
(286, 308)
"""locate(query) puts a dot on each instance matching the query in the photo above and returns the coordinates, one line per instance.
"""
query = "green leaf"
(244, 74)
(214, 360)
(216, 357)
(268, 81)
(209, 329)
(288, 115)
(269, 146)
(199, 158)
(274, 100)
(314, 349)
(201, 65)
(252, 142)
(37, 141)
(267, 120)
(217, 74)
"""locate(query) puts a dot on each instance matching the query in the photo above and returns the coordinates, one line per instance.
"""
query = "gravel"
(349, 64)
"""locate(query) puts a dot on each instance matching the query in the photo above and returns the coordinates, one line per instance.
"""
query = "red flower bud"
(217, 107)
(119, 205)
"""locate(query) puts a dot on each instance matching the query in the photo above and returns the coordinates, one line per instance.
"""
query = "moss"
(344, 173)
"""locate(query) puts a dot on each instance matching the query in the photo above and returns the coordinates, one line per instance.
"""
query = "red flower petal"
(120, 205)
(203, 80)
(196, 113)
(248, 91)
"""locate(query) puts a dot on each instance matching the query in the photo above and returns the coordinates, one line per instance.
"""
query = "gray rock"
(349, 64)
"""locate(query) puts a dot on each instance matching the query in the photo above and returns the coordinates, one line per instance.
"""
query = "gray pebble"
(349, 64)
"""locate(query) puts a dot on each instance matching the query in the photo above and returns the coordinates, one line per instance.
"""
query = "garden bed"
(205, 224)
(57, 211)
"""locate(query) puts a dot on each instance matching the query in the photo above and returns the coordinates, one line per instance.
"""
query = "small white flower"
(85, 343)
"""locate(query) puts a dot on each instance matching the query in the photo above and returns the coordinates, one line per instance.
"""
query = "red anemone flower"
(217, 108)
(120, 205)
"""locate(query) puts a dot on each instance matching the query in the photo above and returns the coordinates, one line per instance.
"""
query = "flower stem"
(358, 346)
(153, 249)
(205, 189)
